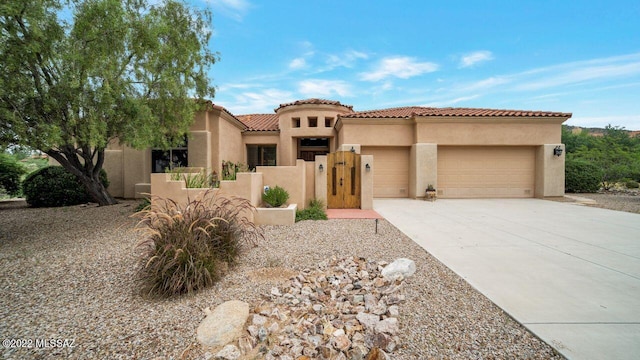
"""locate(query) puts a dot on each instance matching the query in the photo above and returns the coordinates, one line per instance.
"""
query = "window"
(295, 122)
(161, 160)
(308, 148)
(328, 122)
(261, 155)
(313, 121)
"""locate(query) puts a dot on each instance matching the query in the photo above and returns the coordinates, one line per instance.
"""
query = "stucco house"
(462, 152)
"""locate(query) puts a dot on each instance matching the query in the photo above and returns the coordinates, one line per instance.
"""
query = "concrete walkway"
(569, 273)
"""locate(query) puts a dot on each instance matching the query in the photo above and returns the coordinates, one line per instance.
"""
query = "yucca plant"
(188, 247)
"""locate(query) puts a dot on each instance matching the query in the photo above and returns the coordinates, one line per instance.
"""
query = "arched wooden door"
(343, 180)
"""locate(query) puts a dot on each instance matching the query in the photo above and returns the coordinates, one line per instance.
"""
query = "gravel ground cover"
(628, 201)
(68, 273)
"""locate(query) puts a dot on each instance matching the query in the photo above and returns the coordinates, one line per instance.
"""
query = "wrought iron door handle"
(340, 181)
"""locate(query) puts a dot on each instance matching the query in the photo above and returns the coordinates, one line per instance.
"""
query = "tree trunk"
(97, 191)
(86, 171)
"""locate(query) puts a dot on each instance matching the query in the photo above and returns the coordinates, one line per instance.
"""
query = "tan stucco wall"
(321, 179)
(290, 178)
(246, 185)
(198, 149)
(136, 169)
(276, 216)
(310, 186)
(380, 132)
(423, 168)
(113, 165)
(366, 182)
(510, 131)
(550, 173)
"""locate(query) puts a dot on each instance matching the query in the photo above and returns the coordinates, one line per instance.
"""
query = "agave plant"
(188, 247)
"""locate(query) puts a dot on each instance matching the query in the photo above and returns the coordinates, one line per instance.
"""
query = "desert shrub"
(631, 184)
(581, 176)
(144, 204)
(230, 169)
(275, 196)
(54, 186)
(10, 173)
(188, 247)
(315, 211)
(199, 180)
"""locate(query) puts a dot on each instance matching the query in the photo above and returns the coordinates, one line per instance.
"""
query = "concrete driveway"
(569, 273)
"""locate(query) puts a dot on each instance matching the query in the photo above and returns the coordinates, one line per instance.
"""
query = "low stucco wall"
(290, 178)
(276, 216)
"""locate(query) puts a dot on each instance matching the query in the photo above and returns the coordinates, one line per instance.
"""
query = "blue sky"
(581, 57)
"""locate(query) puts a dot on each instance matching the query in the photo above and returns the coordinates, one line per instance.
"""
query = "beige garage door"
(486, 172)
(391, 171)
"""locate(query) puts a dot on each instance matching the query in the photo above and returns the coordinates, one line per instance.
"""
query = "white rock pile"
(345, 309)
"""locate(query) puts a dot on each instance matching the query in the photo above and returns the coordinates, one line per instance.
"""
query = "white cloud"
(346, 59)
(451, 102)
(297, 63)
(263, 101)
(402, 67)
(631, 122)
(324, 88)
(235, 9)
(473, 58)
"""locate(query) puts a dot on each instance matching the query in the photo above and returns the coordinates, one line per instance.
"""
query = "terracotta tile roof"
(260, 122)
(314, 101)
(407, 112)
(399, 112)
(210, 105)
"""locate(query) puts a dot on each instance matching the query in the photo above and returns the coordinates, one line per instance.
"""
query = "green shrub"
(315, 211)
(10, 173)
(631, 184)
(275, 197)
(230, 169)
(54, 186)
(144, 204)
(188, 247)
(582, 176)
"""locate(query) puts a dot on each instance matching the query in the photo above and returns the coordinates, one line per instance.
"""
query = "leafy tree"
(77, 75)
(615, 154)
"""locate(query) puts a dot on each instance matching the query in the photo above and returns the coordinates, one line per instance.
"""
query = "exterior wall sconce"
(367, 167)
(321, 168)
(353, 149)
(557, 151)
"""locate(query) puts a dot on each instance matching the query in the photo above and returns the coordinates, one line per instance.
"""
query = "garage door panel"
(391, 171)
(486, 172)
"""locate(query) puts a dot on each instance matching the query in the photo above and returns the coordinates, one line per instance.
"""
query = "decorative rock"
(369, 321)
(275, 291)
(388, 325)
(259, 320)
(224, 324)
(262, 334)
(376, 354)
(341, 342)
(401, 267)
(393, 311)
(274, 328)
(229, 352)
(245, 346)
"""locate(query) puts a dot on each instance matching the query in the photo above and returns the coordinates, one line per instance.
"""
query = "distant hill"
(597, 131)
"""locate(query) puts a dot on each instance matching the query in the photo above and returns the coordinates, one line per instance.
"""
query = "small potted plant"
(430, 193)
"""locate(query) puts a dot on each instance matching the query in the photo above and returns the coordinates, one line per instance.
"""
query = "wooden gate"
(343, 180)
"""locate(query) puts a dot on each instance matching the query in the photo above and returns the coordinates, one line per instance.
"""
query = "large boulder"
(224, 324)
(400, 268)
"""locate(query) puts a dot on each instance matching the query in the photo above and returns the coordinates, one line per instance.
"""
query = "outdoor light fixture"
(353, 149)
(321, 168)
(557, 151)
(367, 167)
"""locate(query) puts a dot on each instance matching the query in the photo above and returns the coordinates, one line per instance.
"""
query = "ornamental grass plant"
(189, 247)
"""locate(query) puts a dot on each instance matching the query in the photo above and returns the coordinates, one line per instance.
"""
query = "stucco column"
(549, 171)
(423, 168)
(321, 178)
(198, 149)
(366, 182)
